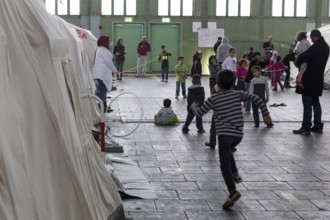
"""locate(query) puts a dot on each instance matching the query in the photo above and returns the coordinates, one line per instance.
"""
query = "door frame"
(144, 31)
(167, 23)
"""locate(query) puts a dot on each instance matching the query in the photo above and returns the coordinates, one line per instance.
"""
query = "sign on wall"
(208, 37)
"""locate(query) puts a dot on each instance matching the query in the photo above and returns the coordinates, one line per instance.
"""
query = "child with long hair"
(278, 67)
(241, 75)
(214, 68)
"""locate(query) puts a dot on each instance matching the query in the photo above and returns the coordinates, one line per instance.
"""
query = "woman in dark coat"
(119, 52)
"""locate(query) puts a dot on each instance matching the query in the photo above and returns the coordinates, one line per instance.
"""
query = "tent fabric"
(50, 166)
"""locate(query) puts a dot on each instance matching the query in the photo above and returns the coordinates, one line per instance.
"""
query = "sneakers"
(247, 112)
(256, 125)
(275, 89)
(185, 130)
(209, 145)
(237, 178)
(166, 80)
(233, 197)
(302, 130)
(282, 88)
(201, 131)
(176, 97)
(162, 80)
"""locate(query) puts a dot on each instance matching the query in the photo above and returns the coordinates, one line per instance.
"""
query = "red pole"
(102, 136)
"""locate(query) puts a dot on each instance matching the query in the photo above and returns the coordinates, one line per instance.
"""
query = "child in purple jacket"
(278, 67)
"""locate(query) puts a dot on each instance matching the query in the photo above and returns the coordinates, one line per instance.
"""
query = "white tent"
(50, 166)
(88, 40)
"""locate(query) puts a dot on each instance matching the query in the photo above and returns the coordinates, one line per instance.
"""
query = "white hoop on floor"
(123, 133)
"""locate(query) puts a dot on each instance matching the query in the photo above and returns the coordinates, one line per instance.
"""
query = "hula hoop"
(108, 130)
(263, 70)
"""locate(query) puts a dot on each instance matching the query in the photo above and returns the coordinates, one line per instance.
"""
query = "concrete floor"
(285, 176)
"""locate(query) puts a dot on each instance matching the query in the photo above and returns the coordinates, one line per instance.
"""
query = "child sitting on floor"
(166, 115)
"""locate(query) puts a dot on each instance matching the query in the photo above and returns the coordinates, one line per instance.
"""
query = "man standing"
(143, 50)
(222, 51)
(216, 45)
(268, 47)
(311, 82)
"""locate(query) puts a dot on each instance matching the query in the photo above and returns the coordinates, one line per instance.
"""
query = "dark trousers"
(311, 103)
(164, 72)
(255, 110)
(213, 82)
(227, 161)
(287, 76)
(101, 92)
(190, 117)
(213, 133)
(248, 102)
(119, 65)
(183, 86)
(241, 85)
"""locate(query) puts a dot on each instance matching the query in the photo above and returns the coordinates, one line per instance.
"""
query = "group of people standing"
(226, 101)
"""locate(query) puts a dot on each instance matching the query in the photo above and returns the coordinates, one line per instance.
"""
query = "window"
(163, 7)
(118, 7)
(233, 7)
(63, 7)
(289, 8)
(245, 7)
(187, 7)
(301, 8)
(175, 7)
(131, 7)
(106, 8)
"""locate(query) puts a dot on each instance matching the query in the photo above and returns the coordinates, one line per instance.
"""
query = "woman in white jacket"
(103, 69)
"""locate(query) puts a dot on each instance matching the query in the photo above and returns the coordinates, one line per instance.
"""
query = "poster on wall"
(196, 26)
(208, 37)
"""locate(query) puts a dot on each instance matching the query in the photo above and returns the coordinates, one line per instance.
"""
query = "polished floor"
(285, 176)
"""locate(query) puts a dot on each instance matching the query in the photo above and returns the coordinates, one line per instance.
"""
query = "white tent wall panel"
(51, 168)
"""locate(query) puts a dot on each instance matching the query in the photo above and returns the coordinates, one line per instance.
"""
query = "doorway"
(132, 34)
(164, 34)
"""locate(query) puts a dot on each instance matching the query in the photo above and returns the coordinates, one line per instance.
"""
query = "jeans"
(165, 72)
(183, 86)
(190, 117)
(311, 103)
(248, 103)
(101, 92)
(227, 161)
